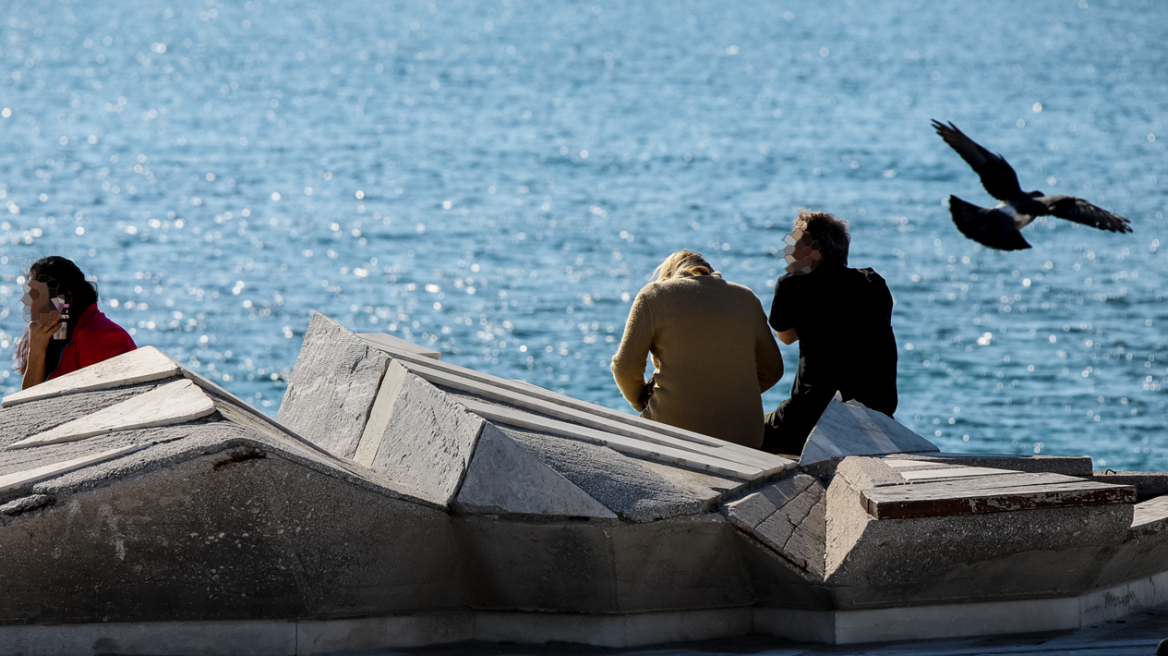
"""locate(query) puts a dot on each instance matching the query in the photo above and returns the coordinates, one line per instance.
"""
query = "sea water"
(497, 179)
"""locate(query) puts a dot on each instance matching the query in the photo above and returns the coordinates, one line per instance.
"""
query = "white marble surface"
(850, 429)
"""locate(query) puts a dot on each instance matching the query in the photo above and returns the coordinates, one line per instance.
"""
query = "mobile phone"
(63, 309)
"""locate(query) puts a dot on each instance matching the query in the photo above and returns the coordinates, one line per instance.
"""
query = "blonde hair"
(829, 231)
(682, 264)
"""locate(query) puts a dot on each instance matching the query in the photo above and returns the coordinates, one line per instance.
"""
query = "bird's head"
(1036, 194)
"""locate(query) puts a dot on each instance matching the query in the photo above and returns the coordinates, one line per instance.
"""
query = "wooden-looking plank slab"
(775, 463)
(29, 476)
(138, 366)
(668, 455)
(991, 493)
(173, 403)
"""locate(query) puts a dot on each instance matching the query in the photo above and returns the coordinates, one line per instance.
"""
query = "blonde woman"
(713, 355)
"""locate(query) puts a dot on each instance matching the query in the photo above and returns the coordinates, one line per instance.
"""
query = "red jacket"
(95, 338)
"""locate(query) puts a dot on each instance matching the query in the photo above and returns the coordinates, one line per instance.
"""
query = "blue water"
(497, 180)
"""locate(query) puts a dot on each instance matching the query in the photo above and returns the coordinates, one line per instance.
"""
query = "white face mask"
(802, 253)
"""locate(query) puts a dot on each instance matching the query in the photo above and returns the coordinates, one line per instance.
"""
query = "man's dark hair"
(68, 279)
(830, 232)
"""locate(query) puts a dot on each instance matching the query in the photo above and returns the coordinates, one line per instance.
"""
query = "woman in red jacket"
(65, 331)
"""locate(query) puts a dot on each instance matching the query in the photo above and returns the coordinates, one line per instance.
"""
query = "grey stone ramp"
(505, 478)
(173, 403)
(18, 422)
(620, 483)
(428, 441)
(850, 429)
(332, 387)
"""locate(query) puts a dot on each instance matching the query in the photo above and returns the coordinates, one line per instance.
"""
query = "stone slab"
(1151, 517)
(505, 478)
(428, 441)
(622, 484)
(525, 402)
(231, 638)
(524, 388)
(332, 387)
(1148, 484)
(173, 403)
(850, 429)
(712, 489)
(631, 446)
(787, 516)
(138, 366)
(679, 563)
(392, 344)
(381, 413)
(990, 494)
(20, 479)
(28, 419)
(1066, 465)
(921, 474)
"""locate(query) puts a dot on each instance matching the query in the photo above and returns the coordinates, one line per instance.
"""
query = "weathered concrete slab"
(392, 344)
(850, 429)
(787, 516)
(1149, 485)
(428, 440)
(686, 562)
(138, 366)
(625, 487)
(964, 558)
(990, 494)
(173, 403)
(242, 532)
(332, 387)
(505, 478)
(19, 479)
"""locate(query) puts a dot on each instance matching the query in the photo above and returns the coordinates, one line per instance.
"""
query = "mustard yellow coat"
(713, 357)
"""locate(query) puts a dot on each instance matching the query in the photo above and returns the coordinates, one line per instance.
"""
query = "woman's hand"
(40, 333)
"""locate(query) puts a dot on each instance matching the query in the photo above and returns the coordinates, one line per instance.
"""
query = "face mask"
(802, 252)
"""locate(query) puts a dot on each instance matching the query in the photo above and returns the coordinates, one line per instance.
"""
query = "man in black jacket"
(842, 319)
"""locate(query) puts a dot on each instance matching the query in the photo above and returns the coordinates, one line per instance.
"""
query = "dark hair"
(830, 232)
(68, 279)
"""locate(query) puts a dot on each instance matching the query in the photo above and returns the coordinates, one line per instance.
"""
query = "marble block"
(505, 478)
(850, 429)
(332, 387)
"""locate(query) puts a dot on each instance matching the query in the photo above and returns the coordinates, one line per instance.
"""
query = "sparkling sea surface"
(497, 180)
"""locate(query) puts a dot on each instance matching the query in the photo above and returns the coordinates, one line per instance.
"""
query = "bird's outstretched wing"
(991, 228)
(997, 176)
(1080, 211)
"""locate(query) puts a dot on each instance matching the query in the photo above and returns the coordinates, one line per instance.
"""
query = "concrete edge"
(841, 627)
(308, 637)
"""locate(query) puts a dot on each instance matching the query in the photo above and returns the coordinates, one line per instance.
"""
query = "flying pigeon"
(999, 227)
